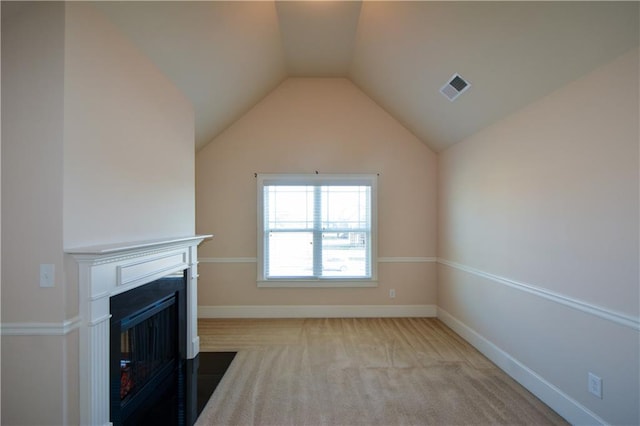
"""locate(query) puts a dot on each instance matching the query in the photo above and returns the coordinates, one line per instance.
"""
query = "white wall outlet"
(47, 275)
(595, 385)
(392, 293)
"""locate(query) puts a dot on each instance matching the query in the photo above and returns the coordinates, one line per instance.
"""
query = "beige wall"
(97, 148)
(32, 163)
(330, 126)
(548, 197)
(129, 140)
(32, 175)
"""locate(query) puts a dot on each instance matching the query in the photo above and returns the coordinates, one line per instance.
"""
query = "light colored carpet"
(382, 371)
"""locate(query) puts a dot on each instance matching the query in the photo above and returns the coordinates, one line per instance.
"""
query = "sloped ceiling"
(226, 56)
(318, 37)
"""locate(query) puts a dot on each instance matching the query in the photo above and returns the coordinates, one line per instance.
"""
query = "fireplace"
(112, 273)
(147, 349)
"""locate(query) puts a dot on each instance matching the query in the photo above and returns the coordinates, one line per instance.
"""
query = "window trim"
(317, 179)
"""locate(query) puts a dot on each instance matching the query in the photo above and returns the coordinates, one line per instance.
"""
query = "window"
(316, 230)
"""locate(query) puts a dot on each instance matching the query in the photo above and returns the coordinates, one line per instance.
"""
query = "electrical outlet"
(594, 385)
(392, 293)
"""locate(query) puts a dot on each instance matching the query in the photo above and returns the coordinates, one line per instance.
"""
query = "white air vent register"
(454, 87)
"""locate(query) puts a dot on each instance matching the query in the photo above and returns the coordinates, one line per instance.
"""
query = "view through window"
(317, 227)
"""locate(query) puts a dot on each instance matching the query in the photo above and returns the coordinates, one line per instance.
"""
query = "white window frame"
(318, 179)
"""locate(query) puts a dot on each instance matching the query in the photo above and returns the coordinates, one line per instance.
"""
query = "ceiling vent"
(454, 87)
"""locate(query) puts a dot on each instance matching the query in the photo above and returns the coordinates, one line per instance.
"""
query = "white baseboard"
(574, 412)
(317, 311)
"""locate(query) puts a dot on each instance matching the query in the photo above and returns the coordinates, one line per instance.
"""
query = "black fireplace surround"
(148, 354)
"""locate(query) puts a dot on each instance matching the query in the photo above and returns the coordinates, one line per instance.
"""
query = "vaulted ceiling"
(226, 56)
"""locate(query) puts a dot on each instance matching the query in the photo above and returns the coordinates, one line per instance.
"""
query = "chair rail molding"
(386, 259)
(40, 328)
(599, 311)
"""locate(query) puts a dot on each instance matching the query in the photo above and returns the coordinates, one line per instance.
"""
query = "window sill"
(346, 283)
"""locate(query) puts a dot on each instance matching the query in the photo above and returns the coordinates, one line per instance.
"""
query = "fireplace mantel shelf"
(107, 249)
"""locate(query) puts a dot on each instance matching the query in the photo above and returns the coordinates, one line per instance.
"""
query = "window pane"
(345, 207)
(344, 254)
(289, 254)
(289, 207)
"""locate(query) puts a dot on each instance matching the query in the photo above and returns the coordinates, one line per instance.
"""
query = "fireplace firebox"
(148, 352)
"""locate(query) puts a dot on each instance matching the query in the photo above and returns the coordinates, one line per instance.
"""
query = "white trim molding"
(407, 259)
(397, 259)
(228, 260)
(601, 312)
(319, 283)
(41, 328)
(317, 311)
(555, 398)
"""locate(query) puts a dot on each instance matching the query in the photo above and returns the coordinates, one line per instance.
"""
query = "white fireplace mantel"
(107, 270)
